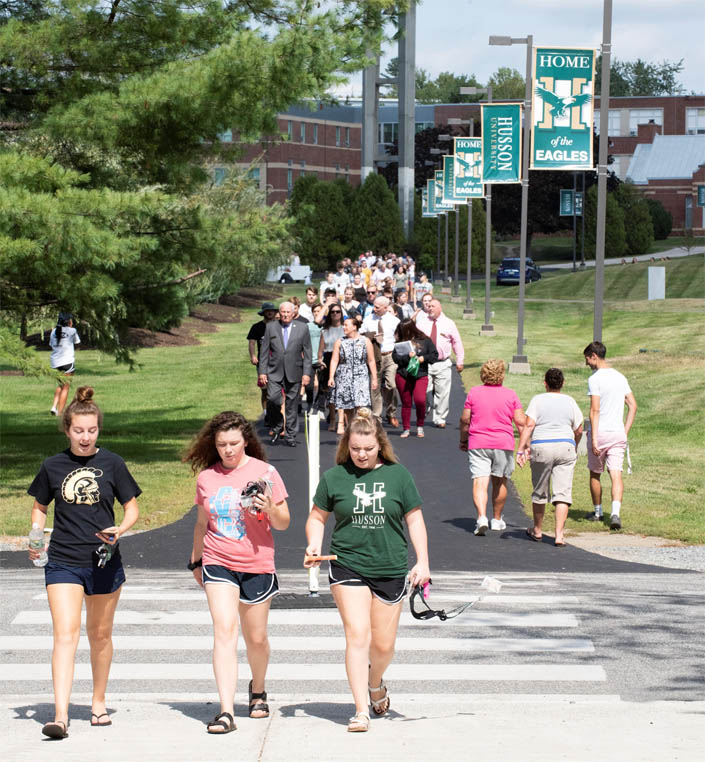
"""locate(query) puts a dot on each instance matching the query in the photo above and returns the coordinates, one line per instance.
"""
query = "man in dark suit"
(285, 366)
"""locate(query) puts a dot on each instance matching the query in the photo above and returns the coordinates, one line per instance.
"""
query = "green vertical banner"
(566, 204)
(441, 204)
(562, 108)
(449, 196)
(467, 168)
(431, 196)
(501, 143)
(424, 204)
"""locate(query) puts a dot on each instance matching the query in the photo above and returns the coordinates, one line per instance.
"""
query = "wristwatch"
(191, 565)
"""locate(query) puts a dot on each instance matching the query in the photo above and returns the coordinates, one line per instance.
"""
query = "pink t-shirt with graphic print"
(492, 409)
(235, 538)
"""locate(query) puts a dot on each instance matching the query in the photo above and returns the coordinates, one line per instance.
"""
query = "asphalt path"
(441, 474)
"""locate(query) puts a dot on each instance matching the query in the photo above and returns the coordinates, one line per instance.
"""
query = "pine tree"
(638, 227)
(110, 114)
(376, 218)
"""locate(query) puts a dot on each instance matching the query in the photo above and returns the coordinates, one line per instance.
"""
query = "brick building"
(668, 169)
(326, 142)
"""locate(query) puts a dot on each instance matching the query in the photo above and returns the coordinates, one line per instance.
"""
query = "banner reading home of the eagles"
(501, 143)
(562, 108)
(467, 168)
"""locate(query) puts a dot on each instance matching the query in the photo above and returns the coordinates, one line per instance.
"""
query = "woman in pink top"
(487, 435)
(240, 499)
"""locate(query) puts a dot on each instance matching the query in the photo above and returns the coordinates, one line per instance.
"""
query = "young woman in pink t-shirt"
(240, 499)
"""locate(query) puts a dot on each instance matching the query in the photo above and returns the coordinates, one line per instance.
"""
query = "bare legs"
(100, 613)
(596, 486)
(370, 633)
(253, 619)
(61, 394)
(499, 494)
(65, 603)
(223, 601)
(224, 604)
(561, 516)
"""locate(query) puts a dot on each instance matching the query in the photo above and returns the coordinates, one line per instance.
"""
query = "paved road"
(441, 473)
(555, 666)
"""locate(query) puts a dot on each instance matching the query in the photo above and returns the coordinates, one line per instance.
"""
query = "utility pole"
(407, 119)
(602, 171)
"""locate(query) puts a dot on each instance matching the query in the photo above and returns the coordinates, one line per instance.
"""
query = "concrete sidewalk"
(479, 727)
(670, 253)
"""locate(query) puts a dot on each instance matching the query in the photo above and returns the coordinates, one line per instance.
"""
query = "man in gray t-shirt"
(609, 391)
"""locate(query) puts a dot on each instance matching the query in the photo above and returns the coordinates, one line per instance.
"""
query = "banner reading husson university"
(449, 196)
(467, 168)
(562, 108)
(424, 204)
(441, 205)
(501, 143)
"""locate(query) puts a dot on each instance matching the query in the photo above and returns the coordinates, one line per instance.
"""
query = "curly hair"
(202, 451)
(365, 423)
(492, 372)
(82, 404)
(554, 378)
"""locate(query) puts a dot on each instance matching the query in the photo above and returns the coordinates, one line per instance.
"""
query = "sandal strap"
(222, 723)
(262, 695)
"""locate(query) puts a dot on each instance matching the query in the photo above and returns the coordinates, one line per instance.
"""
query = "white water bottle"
(36, 542)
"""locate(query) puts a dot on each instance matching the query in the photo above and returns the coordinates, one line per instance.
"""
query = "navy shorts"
(93, 579)
(387, 589)
(254, 588)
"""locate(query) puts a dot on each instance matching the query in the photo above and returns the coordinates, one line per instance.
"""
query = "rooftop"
(669, 157)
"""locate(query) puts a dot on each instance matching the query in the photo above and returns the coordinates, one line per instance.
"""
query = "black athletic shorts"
(254, 588)
(387, 589)
(70, 368)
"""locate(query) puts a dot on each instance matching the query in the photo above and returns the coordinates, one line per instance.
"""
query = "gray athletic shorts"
(486, 462)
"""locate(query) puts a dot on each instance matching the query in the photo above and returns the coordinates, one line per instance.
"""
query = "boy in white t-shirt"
(609, 391)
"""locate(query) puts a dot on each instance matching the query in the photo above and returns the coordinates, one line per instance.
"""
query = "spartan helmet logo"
(81, 487)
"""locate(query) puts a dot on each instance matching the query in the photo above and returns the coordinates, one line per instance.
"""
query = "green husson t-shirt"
(369, 508)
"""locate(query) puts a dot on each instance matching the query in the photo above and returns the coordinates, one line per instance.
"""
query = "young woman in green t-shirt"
(372, 496)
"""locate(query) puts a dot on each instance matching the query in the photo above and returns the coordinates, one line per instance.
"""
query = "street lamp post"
(602, 171)
(468, 312)
(487, 328)
(520, 362)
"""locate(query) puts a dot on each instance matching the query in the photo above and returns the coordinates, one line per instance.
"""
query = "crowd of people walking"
(368, 349)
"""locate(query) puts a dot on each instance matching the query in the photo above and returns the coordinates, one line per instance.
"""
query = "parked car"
(508, 271)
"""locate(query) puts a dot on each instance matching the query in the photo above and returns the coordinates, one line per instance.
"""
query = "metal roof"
(669, 157)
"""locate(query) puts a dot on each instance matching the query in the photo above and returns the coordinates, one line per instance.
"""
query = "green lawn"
(685, 279)
(665, 494)
(151, 414)
(547, 251)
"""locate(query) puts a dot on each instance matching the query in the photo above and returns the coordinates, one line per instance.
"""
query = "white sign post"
(657, 283)
(313, 419)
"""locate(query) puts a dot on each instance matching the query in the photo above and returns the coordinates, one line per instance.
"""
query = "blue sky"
(451, 35)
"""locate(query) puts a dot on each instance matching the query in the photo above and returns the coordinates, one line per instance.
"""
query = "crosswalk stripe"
(327, 672)
(316, 617)
(14, 643)
(547, 601)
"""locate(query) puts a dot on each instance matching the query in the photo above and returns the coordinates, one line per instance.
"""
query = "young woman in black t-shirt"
(83, 482)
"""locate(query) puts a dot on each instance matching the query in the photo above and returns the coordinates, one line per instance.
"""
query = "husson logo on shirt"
(366, 500)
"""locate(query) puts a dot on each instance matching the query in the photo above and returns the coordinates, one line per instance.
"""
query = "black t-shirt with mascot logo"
(83, 490)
